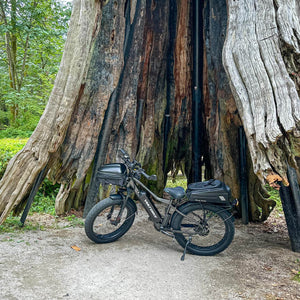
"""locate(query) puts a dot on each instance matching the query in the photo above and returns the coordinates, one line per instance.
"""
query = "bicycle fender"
(116, 197)
(182, 206)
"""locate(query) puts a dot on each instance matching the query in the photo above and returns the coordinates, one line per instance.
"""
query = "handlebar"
(124, 154)
(149, 177)
(136, 165)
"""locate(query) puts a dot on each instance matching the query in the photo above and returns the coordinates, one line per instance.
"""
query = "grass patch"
(74, 221)
(40, 222)
(274, 194)
(296, 272)
(13, 224)
(178, 181)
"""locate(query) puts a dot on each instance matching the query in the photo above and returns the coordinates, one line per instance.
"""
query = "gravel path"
(144, 264)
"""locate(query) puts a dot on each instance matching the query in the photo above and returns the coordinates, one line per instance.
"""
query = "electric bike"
(199, 218)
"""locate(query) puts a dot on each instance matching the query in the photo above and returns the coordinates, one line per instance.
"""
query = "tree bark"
(223, 121)
(260, 37)
(221, 116)
(144, 101)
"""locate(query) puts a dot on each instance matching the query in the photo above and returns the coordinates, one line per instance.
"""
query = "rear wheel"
(104, 223)
(205, 229)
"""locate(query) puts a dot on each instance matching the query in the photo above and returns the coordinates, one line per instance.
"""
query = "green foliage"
(15, 133)
(44, 201)
(32, 36)
(274, 194)
(8, 148)
(44, 204)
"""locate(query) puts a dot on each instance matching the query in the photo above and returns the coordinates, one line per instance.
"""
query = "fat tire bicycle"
(199, 221)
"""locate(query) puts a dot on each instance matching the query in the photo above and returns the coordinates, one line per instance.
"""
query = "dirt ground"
(145, 264)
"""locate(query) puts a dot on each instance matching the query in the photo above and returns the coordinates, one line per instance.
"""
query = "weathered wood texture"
(119, 127)
(260, 36)
(51, 130)
(79, 147)
(149, 112)
(221, 117)
(166, 87)
(125, 82)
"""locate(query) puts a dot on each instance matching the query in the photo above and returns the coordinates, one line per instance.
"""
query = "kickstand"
(183, 255)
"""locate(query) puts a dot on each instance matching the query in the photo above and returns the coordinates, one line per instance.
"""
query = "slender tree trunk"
(11, 52)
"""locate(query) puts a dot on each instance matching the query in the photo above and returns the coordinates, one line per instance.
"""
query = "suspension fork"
(124, 202)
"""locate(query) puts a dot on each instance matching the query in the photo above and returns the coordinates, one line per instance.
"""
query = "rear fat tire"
(225, 218)
(116, 232)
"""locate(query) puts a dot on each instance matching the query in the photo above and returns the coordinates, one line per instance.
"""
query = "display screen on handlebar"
(136, 165)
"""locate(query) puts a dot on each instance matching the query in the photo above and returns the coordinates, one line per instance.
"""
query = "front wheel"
(106, 223)
(203, 229)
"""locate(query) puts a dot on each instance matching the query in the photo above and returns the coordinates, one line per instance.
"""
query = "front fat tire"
(100, 208)
(225, 216)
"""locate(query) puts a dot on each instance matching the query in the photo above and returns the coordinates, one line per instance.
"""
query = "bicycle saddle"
(177, 192)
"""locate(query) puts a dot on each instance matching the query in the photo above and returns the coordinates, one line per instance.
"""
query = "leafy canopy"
(32, 36)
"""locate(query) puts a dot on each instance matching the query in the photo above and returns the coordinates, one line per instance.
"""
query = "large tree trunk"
(124, 81)
(150, 105)
(261, 36)
(222, 120)
(262, 59)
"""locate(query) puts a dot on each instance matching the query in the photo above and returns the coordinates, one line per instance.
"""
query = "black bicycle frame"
(147, 203)
(150, 207)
